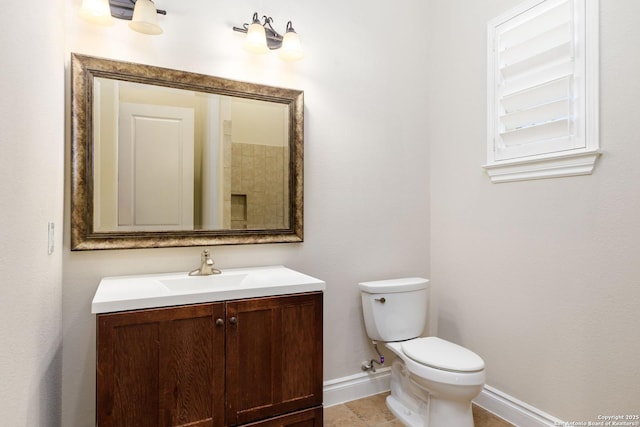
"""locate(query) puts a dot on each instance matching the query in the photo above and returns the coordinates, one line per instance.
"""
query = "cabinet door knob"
(233, 320)
(219, 322)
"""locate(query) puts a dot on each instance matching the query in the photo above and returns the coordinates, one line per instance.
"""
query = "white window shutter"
(540, 66)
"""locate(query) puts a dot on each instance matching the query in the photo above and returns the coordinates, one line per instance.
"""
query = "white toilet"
(432, 380)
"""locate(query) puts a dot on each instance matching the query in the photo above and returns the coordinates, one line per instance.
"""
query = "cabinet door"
(161, 367)
(274, 356)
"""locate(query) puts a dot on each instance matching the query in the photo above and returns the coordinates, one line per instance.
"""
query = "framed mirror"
(165, 158)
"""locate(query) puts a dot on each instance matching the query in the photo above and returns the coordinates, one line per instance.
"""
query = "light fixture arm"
(245, 26)
(269, 29)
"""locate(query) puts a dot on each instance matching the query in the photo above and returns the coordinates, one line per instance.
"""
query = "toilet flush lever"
(381, 300)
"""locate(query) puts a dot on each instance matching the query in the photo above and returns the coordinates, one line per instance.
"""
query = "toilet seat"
(421, 370)
(440, 354)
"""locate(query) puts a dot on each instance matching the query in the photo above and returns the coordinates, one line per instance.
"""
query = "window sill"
(555, 166)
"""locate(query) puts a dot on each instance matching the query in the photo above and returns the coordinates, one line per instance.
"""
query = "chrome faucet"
(206, 266)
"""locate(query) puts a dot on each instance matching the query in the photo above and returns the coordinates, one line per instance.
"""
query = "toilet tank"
(396, 309)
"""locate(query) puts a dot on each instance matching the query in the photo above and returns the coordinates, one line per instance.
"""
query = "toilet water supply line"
(366, 366)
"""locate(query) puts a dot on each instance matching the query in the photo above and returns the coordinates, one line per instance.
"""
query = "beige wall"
(541, 278)
(366, 177)
(31, 195)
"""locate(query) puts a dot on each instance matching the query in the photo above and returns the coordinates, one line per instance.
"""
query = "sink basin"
(203, 283)
(161, 290)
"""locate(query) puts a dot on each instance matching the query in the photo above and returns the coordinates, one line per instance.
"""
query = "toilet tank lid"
(405, 284)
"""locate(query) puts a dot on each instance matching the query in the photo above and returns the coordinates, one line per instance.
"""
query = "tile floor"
(372, 412)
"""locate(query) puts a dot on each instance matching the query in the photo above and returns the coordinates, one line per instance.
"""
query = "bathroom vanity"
(240, 348)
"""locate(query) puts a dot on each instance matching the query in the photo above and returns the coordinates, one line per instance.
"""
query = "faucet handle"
(206, 266)
(206, 258)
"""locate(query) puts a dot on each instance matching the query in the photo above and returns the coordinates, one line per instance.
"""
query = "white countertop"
(122, 293)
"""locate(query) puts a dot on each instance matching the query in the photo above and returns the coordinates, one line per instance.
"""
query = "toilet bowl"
(433, 381)
(447, 392)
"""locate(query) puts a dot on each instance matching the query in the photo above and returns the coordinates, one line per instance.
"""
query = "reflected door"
(155, 167)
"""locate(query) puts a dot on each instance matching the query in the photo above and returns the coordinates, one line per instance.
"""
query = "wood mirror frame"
(83, 235)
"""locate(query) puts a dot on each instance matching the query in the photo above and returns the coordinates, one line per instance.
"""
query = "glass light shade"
(145, 18)
(291, 49)
(256, 40)
(97, 12)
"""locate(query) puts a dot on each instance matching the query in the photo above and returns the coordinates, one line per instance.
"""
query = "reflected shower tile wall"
(257, 172)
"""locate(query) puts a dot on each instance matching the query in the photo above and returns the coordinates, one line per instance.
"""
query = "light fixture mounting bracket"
(123, 9)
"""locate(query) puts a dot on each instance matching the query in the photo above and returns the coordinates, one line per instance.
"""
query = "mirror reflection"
(163, 157)
(174, 159)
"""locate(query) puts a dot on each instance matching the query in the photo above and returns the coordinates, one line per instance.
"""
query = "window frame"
(569, 157)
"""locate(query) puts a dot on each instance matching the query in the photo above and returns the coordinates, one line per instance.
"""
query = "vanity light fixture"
(261, 37)
(142, 13)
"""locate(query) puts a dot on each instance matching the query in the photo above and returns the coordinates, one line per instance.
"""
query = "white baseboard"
(513, 410)
(355, 387)
(365, 384)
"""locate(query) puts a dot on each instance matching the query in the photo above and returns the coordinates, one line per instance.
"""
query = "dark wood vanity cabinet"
(251, 362)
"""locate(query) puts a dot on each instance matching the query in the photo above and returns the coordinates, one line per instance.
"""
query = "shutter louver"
(535, 87)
